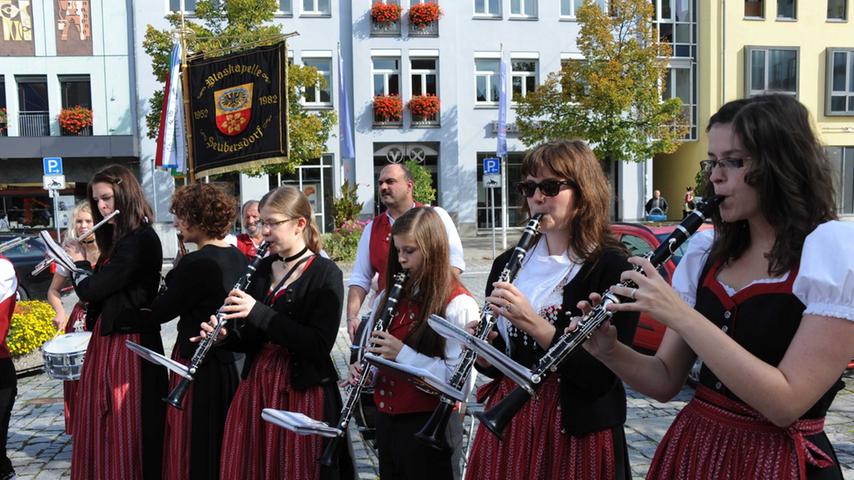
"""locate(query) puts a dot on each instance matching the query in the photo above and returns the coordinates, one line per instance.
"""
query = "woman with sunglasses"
(765, 300)
(286, 322)
(574, 428)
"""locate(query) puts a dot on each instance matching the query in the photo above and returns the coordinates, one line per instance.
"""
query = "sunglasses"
(549, 188)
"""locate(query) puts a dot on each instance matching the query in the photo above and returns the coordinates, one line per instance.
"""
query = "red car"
(640, 239)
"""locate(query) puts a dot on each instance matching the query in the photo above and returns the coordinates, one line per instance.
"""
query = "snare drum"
(63, 356)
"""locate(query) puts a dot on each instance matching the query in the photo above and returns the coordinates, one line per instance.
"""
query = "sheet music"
(419, 373)
(299, 423)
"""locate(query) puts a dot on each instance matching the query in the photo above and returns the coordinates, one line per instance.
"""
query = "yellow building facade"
(748, 47)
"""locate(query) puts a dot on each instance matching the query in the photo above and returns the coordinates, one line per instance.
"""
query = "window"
(286, 7)
(836, 9)
(523, 77)
(523, 8)
(840, 80)
(679, 83)
(75, 91)
(842, 165)
(182, 5)
(787, 9)
(569, 8)
(315, 7)
(33, 115)
(676, 26)
(754, 8)
(423, 74)
(771, 70)
(487, 8)
(486, 80)
(386, 73)
(319, 95)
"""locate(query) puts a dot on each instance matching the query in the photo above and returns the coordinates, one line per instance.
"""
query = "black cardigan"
(122, 287)
(592, 398)
(304, 320)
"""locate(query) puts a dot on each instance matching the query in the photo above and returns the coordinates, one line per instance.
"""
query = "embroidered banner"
(237, 109)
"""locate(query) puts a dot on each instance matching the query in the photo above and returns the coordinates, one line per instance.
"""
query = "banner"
(345, 130)
(501, 147)
(238, 110)
(171, 144)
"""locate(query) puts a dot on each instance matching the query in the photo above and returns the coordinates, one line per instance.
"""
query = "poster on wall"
(73, 27)
(16, 28)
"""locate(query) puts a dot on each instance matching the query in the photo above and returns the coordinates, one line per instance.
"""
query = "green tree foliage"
(612, 98)
(225, 27)
(347, 206)
(423, 190)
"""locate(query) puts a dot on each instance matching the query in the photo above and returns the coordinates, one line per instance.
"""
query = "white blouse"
(825, 279)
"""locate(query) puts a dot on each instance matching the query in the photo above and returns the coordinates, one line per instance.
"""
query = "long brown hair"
(790, 172)
(128, 199)
(572, 160)
(431, 286)
(292, 203)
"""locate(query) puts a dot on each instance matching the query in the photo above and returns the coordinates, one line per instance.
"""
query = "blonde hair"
(292, 203)
(82, 206)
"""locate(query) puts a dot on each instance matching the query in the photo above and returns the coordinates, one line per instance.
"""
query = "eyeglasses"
(272, 224)
(727, 163)
(549, 188)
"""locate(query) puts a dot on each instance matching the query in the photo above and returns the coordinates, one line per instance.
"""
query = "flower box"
(424, 107)
(75, 119)
(422, 15)
(385, 12)
(388, 109)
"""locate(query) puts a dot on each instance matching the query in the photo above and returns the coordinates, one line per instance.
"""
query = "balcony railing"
(84, 132)
(425, 122)
(33, 124)
(385, 29)
(429, 30)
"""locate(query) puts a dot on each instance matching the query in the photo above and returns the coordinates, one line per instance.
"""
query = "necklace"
(294, 257)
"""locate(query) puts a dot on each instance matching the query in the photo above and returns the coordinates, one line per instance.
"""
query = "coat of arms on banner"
(233, 109)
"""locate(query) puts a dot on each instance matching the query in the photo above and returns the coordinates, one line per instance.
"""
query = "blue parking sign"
(491, 165)
(52, 165)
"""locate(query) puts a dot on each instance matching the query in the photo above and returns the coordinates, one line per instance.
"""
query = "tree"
(423, 191)
(226, 27)
(612, 97)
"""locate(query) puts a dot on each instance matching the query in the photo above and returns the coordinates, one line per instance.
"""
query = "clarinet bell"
(329, 453)
(176, 396)
(498, 417)
(433, 432)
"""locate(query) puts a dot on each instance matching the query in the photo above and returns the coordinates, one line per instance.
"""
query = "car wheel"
(22, 294)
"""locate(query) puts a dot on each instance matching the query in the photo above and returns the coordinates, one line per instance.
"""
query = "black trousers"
(8, 391)
(402, 456)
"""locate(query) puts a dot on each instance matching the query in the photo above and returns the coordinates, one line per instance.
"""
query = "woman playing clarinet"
(195, 289)
(287, 323)
(118, 421)
(81, 223)
(420, 245)
(574, 428)
(765, 301)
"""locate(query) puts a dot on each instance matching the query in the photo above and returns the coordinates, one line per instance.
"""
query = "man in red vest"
(251, 238)
(395, 189)
(8, 379)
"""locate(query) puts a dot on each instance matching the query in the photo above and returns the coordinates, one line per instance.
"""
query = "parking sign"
(491, 165)
(52, 165)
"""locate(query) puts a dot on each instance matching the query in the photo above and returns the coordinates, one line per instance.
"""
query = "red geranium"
(388, 108)
(385, 12)
(74, 119)
(423, 14)
(424, 106)
(3, 116)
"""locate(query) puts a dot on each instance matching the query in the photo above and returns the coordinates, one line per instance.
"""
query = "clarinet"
(354, 391)
(176, 396)
(434, 430)
(498, 417)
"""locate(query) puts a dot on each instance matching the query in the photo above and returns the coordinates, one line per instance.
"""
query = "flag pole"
(502, 153)
(185, 84)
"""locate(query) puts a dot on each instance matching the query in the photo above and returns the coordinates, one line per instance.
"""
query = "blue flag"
(345, 132)
(501, 148)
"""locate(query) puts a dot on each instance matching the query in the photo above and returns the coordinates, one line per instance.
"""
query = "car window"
(31, 247)
(637, 246)
(677, 255)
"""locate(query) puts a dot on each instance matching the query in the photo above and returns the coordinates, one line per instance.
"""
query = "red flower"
(385, 12)
(74, 119)
(388, 108)
(424, 106)
(423, 14)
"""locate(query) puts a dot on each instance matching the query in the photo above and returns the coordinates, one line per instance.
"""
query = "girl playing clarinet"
(81, 223)
(420, 245)
(196, 288)
(765, 301)
(117, 424)
(287, 323)
(574, 427)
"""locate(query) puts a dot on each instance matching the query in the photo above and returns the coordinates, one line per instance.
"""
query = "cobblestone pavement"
(39, 448)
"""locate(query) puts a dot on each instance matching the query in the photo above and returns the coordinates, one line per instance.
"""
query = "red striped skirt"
(534, 447)
(254, 449)
(107, 418)
(716, 437)
(69, 388)
(178, 431)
